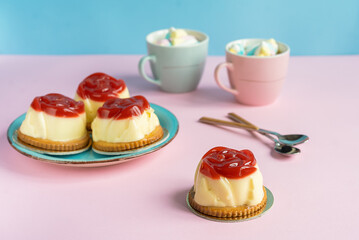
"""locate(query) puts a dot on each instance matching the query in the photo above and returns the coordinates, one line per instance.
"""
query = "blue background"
(309, 27)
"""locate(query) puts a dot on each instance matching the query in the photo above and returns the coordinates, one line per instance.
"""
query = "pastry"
(124, 124)
(228, 184)
(55, 122)
(96, 89)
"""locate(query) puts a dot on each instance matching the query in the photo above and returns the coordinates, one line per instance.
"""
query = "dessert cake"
(124, 124)
(55, 122)
(96, 89)
(228, 184)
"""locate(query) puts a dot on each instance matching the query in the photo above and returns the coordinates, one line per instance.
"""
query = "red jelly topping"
(227, 162)
(118, 108)
(58, 105)
(100, 87)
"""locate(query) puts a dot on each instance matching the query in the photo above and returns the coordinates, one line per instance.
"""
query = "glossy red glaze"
(118, 108)
(227, 162)
(58, 105)
(100, 87)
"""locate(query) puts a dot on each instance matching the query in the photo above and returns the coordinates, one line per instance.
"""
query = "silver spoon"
(293, 139)
(288, 139)
(283, 149)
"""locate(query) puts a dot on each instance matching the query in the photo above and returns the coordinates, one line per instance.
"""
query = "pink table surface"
(316, 193)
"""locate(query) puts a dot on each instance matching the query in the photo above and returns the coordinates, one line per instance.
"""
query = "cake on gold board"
(125, 124)
(228, 185)
(96, 89)
(55, 122)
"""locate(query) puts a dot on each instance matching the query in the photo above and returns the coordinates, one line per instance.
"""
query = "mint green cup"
(176, 69)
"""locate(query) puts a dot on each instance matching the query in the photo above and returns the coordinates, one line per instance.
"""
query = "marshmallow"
(267, 48)
(251, 49)
(176, 33)
(184, 41)
(164, 42)
(263, 49)
(177, 37)
(237, 49)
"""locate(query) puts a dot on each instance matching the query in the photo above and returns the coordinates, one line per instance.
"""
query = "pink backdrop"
(316, 193)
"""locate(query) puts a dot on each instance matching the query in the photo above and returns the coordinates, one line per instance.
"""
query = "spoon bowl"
(282, 149)
(286, 150)
(293, 139)
(288, 139)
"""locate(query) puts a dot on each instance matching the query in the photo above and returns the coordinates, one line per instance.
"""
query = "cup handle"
(141, 69)
(229, 66)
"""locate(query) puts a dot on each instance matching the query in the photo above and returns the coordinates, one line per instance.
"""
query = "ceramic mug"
(254, 80)
(176, 69)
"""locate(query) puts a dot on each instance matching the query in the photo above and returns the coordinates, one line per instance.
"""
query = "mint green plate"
(89, 158)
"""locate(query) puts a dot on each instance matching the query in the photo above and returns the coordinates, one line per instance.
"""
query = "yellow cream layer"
(124, 130)
(91, 106)
(45, 126)
(226, 192)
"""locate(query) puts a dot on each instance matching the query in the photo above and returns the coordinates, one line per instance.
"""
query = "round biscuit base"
(54, 145)
(152, 137)
(229, 212)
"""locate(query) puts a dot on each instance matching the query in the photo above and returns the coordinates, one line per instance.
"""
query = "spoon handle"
(226, 123)
(239, 119)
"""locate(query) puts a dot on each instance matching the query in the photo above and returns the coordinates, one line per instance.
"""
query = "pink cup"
(254, 80)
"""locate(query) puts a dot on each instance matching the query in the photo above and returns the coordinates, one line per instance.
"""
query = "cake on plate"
(55, 122)
(96, 89)
(228, 184)
(124, 124)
